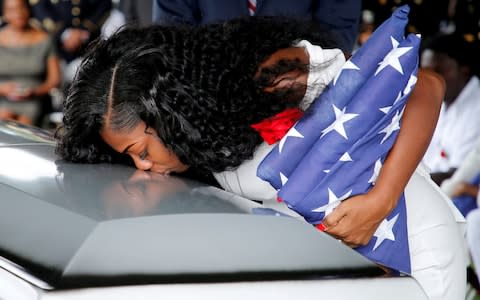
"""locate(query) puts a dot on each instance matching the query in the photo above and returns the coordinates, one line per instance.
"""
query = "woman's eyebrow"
(127, 148)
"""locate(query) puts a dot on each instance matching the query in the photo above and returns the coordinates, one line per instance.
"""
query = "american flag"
(337, 148)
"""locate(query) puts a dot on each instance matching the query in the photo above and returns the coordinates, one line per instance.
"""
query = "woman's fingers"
(333, 218)
(354, 221)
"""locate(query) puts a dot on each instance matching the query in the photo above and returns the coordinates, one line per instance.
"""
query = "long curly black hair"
(194, 85)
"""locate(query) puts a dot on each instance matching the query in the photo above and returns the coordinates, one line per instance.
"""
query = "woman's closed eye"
(143, 155)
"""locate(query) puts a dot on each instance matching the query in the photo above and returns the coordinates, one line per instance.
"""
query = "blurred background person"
(29, 65)
(74, 23)
(137, 12)
(430, 17)
(130, 12)
(340, 16)
(463, 186)
(116, 19)
(458, 128)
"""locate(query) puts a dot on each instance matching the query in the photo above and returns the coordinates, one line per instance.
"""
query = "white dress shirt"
(458, 129)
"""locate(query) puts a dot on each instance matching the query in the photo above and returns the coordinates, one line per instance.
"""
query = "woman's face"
(146, 149)
(16, 13)
(448, 68)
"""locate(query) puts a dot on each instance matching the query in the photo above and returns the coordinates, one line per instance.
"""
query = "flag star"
(393, 126)
(399, 96)
(326, 171)
(385, 109)
(349, 65)
(333, 202)
(337, 125)
(410, 84)
(291, 133)
(392, 58)
(376, 171)
(385, 231)
(346, 157)
(283, 178)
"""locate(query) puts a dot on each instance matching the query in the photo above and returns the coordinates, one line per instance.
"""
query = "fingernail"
(321, 227)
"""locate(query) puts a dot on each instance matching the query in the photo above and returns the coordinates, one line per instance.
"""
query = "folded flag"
(337, 148)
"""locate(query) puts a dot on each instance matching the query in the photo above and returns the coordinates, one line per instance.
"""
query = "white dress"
(435, 227)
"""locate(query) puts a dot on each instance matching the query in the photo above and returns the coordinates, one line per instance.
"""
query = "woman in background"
(29, 66)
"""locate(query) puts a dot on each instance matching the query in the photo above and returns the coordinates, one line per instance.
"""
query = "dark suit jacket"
(341, 16)
(137, 11)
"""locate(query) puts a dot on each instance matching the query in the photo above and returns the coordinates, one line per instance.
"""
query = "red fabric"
(274, 128)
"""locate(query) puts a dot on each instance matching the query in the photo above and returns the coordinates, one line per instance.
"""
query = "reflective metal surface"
(77, 225)
(15, 133)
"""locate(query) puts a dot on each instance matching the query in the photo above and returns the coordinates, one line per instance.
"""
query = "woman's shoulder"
(431, 78)
(430, 85)
(39, 36)
(33, 38)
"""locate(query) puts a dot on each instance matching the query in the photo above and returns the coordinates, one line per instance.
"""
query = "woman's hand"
(464, 188)
(74, 39)
(20, 94)
(7, 88)
(15, 91)
(356, 219)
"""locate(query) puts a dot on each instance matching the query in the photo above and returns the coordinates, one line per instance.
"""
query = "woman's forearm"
(419, 121)
(52, 80)
(355, 220)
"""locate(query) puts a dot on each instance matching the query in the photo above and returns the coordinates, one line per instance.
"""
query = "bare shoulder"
(39, 35)
(431, 80)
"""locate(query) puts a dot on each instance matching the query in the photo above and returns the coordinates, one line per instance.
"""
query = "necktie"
(252, 6)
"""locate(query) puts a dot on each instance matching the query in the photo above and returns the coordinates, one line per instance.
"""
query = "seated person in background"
(458, 128)
(172, 99)
(462, 187)
(341, 17)
(138, 12)
(29, 66)
(73, 24)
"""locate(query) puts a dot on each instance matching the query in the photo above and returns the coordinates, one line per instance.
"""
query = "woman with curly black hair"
(173, 99)
(195, 80)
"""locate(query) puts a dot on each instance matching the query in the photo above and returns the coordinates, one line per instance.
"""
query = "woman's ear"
(287, 81)
(149, 130)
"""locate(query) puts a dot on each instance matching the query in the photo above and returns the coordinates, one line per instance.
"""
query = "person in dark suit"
(75, 23)
(137, 12)
(340, 16)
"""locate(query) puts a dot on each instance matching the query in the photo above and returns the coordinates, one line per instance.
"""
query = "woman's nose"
(142, 164)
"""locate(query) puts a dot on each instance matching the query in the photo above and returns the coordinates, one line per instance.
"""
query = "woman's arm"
(465, 188)
(7, 88)
(52, 79)
(354, 221)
